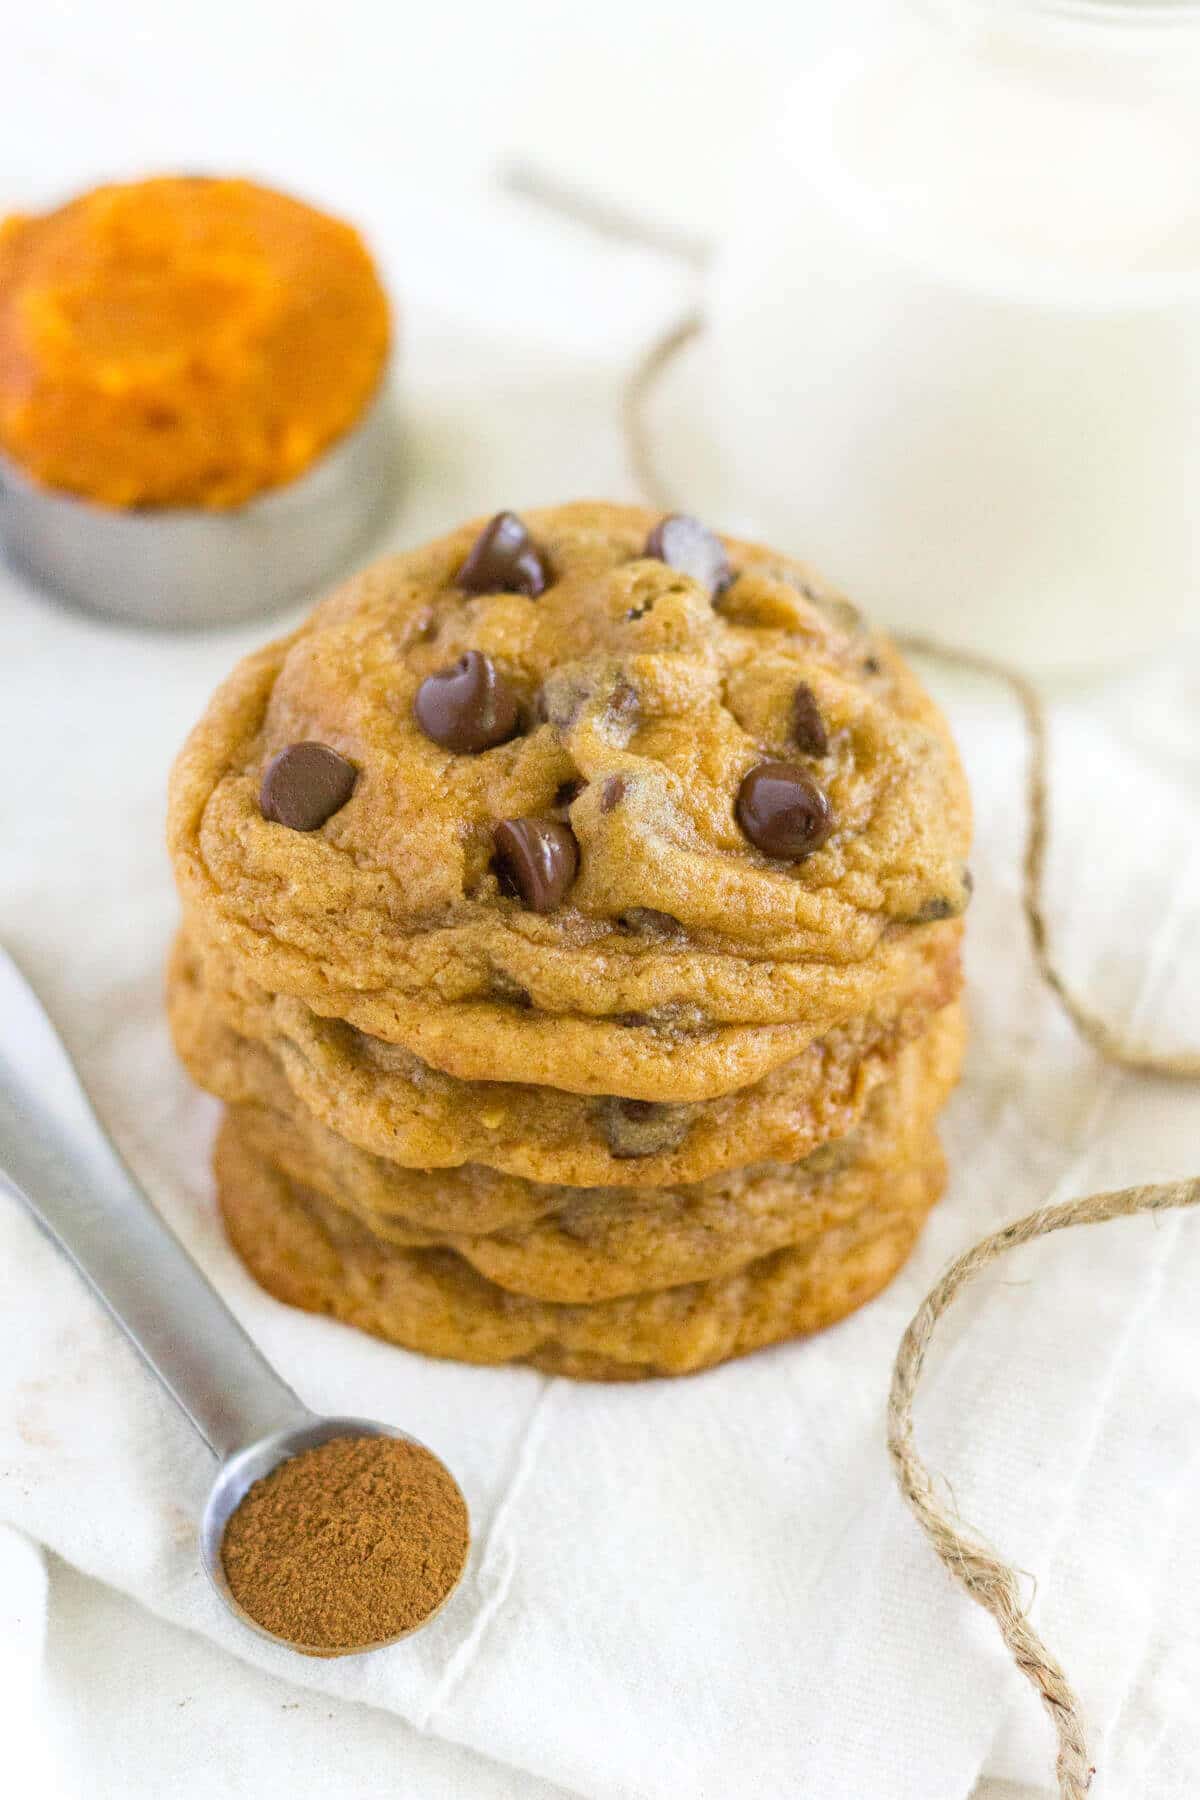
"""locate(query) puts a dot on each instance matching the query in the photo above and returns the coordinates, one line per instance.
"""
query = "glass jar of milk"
(955, 330)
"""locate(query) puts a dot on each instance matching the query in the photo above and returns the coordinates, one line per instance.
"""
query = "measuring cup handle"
(56, 1157)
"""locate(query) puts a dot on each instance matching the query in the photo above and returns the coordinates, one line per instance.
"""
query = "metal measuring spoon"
(57, 1158)
(188, 566)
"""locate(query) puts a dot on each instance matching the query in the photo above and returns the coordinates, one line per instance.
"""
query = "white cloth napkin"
(695, 1588)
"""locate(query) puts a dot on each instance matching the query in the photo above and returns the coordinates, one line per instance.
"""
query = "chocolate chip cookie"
(587, 828)
(582, 1244)
(247, 1046)
(572, 928)
(313, 1254)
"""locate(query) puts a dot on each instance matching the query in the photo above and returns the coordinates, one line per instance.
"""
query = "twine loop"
(990, 1581)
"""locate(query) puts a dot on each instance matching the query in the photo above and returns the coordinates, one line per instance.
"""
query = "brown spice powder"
(352, 1542)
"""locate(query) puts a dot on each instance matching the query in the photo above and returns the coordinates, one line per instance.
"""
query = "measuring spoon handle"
(57, 1158)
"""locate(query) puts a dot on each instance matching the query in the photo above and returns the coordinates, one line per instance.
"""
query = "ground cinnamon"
(347, 1544)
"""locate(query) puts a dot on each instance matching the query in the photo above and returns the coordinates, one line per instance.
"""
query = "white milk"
(955, 329)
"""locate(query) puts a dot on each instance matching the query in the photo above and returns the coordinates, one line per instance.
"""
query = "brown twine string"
(530, 182)
(990, 1581)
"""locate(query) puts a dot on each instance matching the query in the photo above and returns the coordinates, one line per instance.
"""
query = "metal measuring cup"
(185, 566)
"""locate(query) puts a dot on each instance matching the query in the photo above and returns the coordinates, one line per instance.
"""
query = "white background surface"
(765, 1620)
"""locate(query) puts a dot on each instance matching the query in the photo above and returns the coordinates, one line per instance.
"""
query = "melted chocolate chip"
(612, 793)
(569, 790)
(623, 699)
(468, 707)
(938, 907)
(642, 1127)
(537, 860)
(649, 922)
(808, 727)
(943, 906)
(510, 992)
(305, 785)
(504, 559)
(836, 607)
(783, 811)
(685, 544)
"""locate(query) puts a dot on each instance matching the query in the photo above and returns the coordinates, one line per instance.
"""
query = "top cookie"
(590, 764)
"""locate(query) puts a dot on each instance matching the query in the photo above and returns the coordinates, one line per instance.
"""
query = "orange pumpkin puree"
(183, 341)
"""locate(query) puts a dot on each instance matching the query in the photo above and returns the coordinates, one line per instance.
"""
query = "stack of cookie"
(571, 926)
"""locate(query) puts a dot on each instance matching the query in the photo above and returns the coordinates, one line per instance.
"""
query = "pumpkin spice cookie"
(572, 927)
(312, 1254)
(576, 1244)
(583, 792)
(350, 1093)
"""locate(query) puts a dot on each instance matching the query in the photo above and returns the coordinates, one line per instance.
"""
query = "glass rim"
(1141, 19)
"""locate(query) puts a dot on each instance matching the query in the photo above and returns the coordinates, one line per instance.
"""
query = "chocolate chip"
(467, 707)
(783, 811)
(305, 785)
(640, 610)
(612, 793)
(808, 727)
(943, 906)
(570, 790)
(537, 860)
(623, 699)
(642, 1127)
(687, 545)
(649, 922)
(872, 665)
(510, 992)
(504, 559)
(932, 910)
(836, 607)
